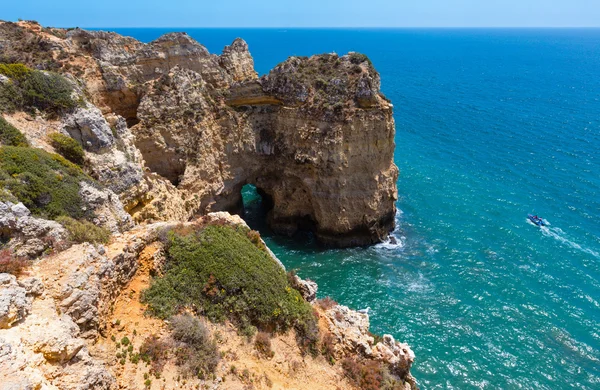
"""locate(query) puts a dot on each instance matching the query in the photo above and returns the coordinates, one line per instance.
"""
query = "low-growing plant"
(47, 184)
(134, 358)
(10, 135)
(307, 336)
(154, 351)
(9, 263)
(358, 58)
(370, 375)
(327, 348)
(197, 351)
(16, 72)
(84, 231)
(67, 147)
(224, 275)
(33, 89)
(262, 343)
(326, 303)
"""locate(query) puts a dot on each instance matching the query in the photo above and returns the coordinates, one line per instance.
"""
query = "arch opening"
(256, 205)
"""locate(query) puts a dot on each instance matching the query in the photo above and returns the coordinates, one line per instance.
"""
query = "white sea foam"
(393, 242)
(560, 236)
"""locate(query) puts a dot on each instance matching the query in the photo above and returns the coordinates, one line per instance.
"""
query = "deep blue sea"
(490, 125)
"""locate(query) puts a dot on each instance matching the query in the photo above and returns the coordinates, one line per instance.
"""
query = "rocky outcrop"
(29, 236)
(315, 135)
(307, 288)
(351, 337)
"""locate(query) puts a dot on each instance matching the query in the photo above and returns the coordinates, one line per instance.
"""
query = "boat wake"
(561, 236)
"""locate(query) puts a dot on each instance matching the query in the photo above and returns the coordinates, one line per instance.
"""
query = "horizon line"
(351, 27)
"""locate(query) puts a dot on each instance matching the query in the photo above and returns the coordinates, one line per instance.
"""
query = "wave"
(395, 240)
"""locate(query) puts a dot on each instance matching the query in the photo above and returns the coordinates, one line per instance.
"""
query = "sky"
(306, 13)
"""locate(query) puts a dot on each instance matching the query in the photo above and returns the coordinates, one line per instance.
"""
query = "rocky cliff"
(155, 141)
(315, 135)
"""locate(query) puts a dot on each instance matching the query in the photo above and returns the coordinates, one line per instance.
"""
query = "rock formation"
(315, 135)
(171, 134)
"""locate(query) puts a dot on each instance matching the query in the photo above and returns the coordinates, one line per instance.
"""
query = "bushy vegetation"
(370, 375)
(30, 89)
(11, 264)
(67, 147)
(154, 351)
(359, 58)
(220, 273)
(196, 351)
(10, 135)
(84, 231)
(326, 303)
(46, 183)
(27, 47)
(327, 348)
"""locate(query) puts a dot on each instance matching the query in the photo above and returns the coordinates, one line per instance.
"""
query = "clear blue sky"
(306, 13)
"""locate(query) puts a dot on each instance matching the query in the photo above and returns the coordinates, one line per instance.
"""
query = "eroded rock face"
(14, 303)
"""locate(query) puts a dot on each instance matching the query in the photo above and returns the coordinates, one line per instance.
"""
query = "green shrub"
(10, 135)
(31, 89)
(48, 92)
(198, 353)
(67, 147)
(16, 72)
(358, 58)
(46, 183)
(85, 231)
(219, 271)
(328, 348)
(10, 97)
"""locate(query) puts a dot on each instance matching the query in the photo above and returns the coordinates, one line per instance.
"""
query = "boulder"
(89, 128)
(29, 235)
(14, 302)
(106, 206)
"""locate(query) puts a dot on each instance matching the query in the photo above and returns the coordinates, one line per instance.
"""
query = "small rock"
(33, 286)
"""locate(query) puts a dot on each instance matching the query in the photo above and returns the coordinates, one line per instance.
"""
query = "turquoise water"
(491, 125)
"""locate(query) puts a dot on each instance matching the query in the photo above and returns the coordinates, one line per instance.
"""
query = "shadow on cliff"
(255, 210)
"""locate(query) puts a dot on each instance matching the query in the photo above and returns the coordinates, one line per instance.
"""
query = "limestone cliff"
(315, 135)
(170, 135)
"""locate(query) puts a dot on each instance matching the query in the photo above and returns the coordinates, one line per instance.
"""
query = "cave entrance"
(256, 206)
(255, 211)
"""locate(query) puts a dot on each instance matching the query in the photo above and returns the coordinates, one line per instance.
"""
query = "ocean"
(491, 124)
